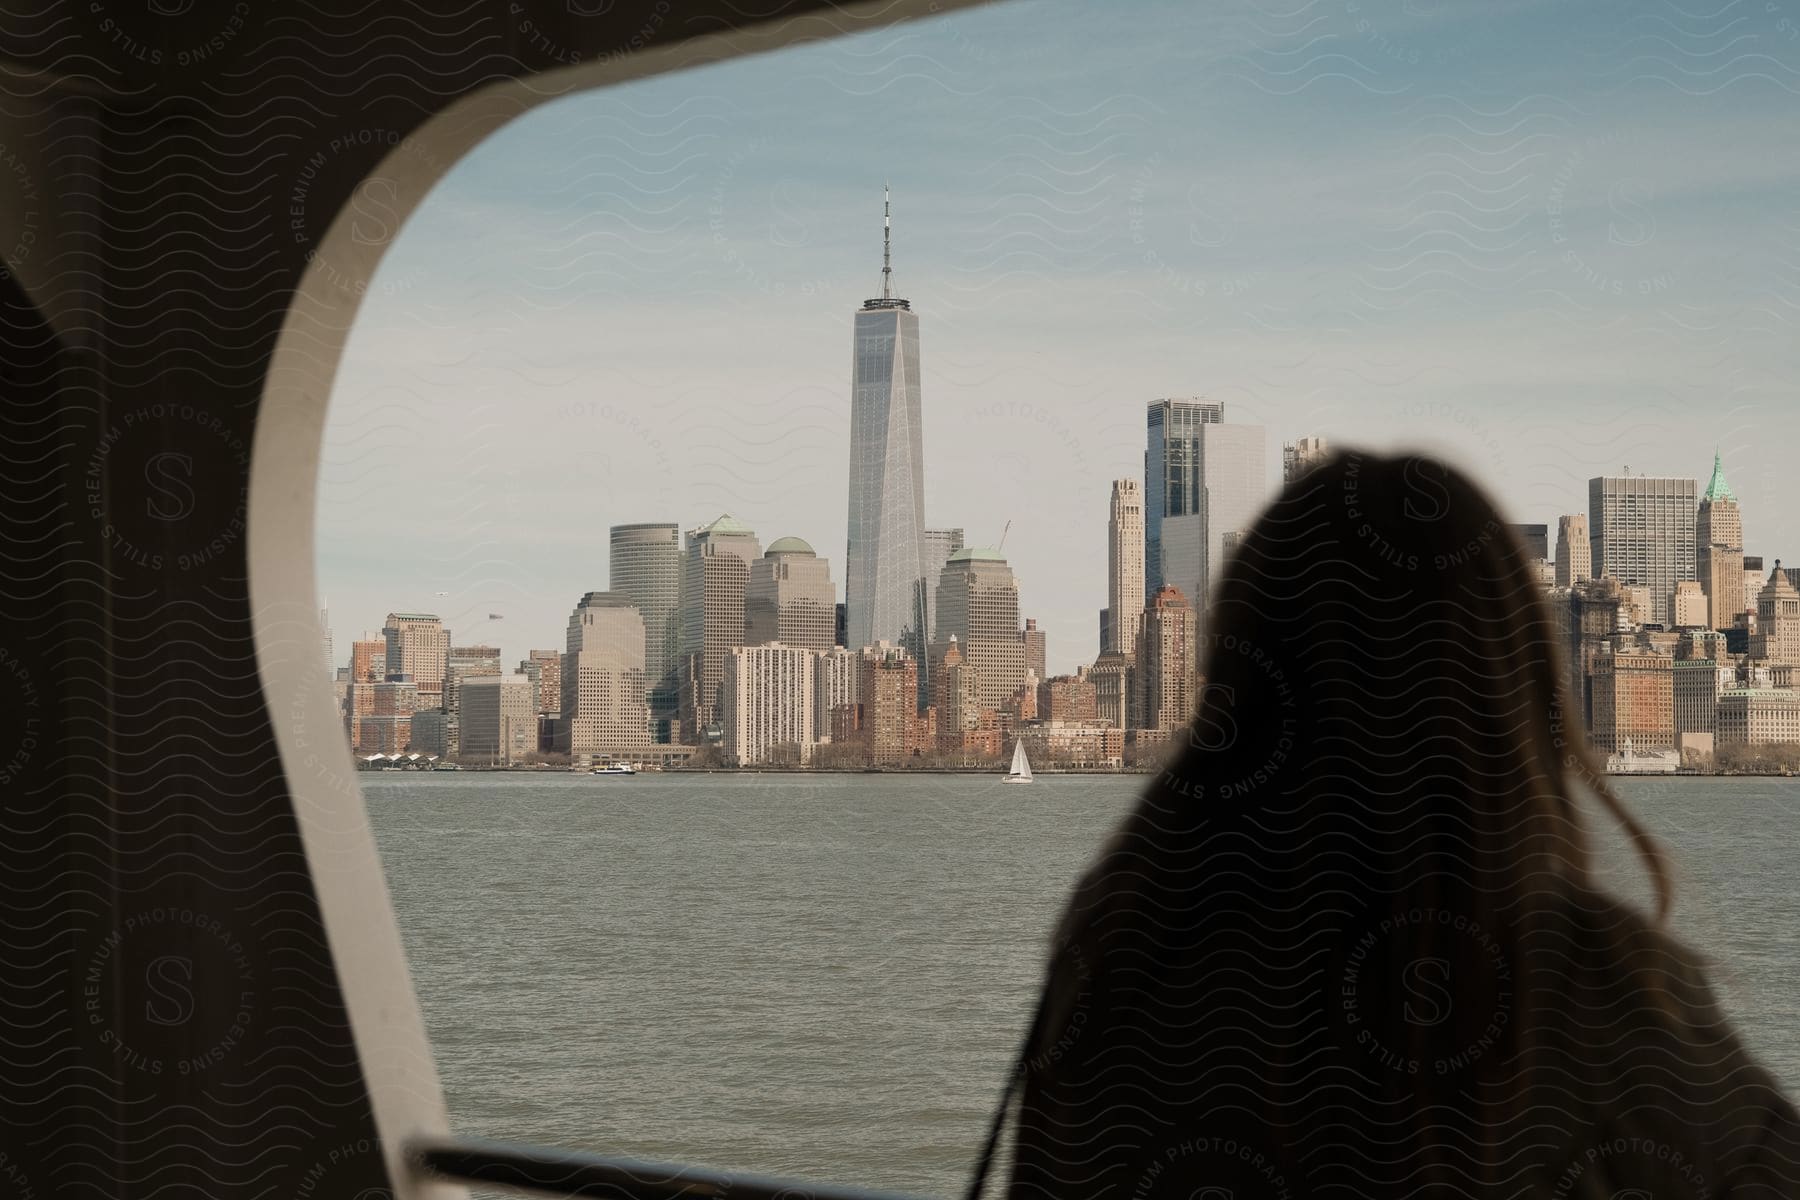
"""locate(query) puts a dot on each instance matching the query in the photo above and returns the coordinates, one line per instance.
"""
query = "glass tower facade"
(885, 552)
(645, 568)
(1203, 479)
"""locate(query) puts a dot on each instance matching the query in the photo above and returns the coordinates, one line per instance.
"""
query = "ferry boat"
(614, 769)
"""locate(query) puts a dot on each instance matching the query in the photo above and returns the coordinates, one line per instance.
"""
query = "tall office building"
(835, 679)
(940, 544)
(790, 598)
(715, 576)
(1641, 529)
(1124, 567)
(499, 719)
(368, 667)
(1167, 645)
(1112, 676)
(767, 702)
(604, 713)
(1719, 550)
(1535, 539)
(544, 669)
(884, 557)
(644, 566)
(1203, 479)
(1574, 555)
(1297, 458)
(1036, 649)
(978, 604)
(418, 646)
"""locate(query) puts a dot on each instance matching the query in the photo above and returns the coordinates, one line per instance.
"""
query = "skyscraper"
(1719, 550)
(603, 709)
(499, 720)
(418, 646)
(1124, 566)
(790, 598)
(1036, 649)
(767, 702)
(1535, 539)
(1203, 479)
(715, 575)
(1297, 458)
(1167, 644)
(644, 566)
(940, 544)
(1777, 636)
(978, 604)
(1574, 555)
(884, 557)
(1641, 528)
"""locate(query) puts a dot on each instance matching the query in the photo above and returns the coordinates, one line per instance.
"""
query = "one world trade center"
(884, 586)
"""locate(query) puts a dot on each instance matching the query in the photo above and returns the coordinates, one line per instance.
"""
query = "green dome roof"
(977, 554)
(788, 545)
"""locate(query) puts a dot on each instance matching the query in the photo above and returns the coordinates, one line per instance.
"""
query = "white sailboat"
(1020, 772)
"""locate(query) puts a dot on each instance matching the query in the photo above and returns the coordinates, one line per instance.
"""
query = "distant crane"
(1003, 534)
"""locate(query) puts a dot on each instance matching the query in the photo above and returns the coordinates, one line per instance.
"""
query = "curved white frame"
(340, 848)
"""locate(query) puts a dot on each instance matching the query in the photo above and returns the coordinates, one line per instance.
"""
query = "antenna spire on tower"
(887, 269)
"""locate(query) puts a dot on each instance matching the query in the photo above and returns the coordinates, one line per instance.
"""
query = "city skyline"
(546, 350)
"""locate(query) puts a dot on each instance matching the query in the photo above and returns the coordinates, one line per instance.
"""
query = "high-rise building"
(387, 729)
(885, 547)
(368, 660)
(953, 691)
(1719, 550)
(544, 669)
(418, 646)
(836, 677)
(978, 604)
(644, 566)
(767, 702)
(1698, 684)
(461, 664)
(499, 719)
(715, 576)
(1535, 539)
(1124, 567)
(1777, 637)
(1112, 678)
(1574, 554)
(1757, 716)
(1167, 645)
(604, 713)
(1690, 607)
(889, 723)
(368, 667)
(325, 642)
(1634, 700)
(1203, 479)
(940, 544)
(790, 598)
(1297, 458)
(1071, 699)
(1036, 648)
(1641, 529)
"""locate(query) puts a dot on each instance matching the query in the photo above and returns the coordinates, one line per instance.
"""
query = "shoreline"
(978, 772)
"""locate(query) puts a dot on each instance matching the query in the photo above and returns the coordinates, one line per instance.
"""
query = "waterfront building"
(418, 646)
(499, 719)
(460, 664)
(714, 579)
(1297, 458)
(1634, 700)
(1022, 705)
(1111, 676)
(1073, 699)
(1199, 467)
(790, 598)
(888, 717)
(1574, 553)
(1776, 640)
(604, 711)
(1035, 647)
(387, 729)
(978, 604)
(1167, 646)
(1698, 683)
(1641, 531)
(368, 666)
(644, 565)
(1756, 716)
(1074, 744)
(430, 732)
(1124, 568)
(544, 669)
(1719, 549)
(885, 557)
(767, 703)
(836, 677)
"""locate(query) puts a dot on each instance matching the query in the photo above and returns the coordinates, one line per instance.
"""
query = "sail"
(1021, 766)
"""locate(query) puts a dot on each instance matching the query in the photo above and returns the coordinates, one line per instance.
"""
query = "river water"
(826, 976)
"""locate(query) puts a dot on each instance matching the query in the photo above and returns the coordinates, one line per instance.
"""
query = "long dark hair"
(1332, 930)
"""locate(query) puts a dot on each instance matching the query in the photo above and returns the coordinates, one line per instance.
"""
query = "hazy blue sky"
(1551, 239)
